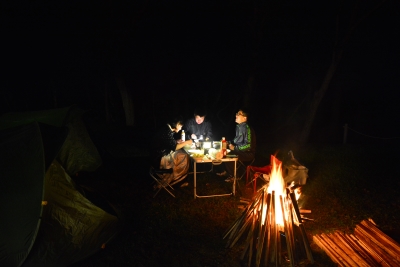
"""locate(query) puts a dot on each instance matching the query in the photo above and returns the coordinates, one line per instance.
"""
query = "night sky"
(174, 55)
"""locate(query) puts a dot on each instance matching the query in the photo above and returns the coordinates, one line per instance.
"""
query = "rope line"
(386, 138)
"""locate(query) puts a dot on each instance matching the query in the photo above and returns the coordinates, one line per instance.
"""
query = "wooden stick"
(303, 211)
(384, 241)
(245, 226)
(267, 257)
(347, 252)
(376, 257)
(263, 228)
(374, 245)
(275, 232)
(258, 249)
(251, 243)
(288, 233)
(335, 257)
(343, 256)
(246, 212)
(234, 228)
(295, 206)
(359, 253)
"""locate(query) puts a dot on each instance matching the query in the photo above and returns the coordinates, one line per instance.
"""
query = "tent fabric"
(21, 176)
(36, 151)
(83, 226)
(54, 117)
(78, 152)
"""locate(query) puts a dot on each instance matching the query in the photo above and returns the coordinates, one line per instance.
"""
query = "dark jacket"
(245, 138)
(204, 129)
(163, 143)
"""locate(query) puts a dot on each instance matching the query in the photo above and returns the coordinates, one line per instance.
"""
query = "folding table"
(219, 161)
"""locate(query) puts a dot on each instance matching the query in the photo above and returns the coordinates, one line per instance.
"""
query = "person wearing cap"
(243, 145)
(198, 127)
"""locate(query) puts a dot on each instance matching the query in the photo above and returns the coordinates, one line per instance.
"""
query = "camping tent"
(45, 220)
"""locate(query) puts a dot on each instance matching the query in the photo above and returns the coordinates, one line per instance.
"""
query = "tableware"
(196, 151)
(212, 152)
(219, 155)
(207, 144)
(217, 145)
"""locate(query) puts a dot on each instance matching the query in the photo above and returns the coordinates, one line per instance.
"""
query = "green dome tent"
(45, 220)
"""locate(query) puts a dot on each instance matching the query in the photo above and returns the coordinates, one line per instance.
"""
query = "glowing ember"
(297, 193)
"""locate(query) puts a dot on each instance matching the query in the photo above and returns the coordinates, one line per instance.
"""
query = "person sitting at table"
(243, 145)
(197, 126)
(166, 152)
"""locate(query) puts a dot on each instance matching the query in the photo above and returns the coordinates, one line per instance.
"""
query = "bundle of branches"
(265, 225)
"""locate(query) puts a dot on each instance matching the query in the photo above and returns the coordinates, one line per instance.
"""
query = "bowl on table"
(187, 146)
(198, 159)
(197, 154)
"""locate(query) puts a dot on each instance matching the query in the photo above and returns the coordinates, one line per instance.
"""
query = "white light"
(206, 144)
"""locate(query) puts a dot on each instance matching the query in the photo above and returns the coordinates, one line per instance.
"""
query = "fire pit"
(268, 223)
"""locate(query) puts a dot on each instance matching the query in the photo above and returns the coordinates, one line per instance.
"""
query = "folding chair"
(255, 173)
(242, 168)
(157, 175)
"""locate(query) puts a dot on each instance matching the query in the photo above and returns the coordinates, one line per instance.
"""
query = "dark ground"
(181, 231)
(150, 236)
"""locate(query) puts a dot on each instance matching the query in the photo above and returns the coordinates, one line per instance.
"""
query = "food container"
(197, 154)
(212, 152)
(217, 145)
(219, 155)
(199, 159)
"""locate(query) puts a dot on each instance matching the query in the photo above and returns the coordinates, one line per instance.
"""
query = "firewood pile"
(271, 226)
(368, 246)
(264, 238)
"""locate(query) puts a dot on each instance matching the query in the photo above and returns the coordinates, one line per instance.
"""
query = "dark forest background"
(298, 65)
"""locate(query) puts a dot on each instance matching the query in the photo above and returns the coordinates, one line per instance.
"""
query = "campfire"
(271, 226)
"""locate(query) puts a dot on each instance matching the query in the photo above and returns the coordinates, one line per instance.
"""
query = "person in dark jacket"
(243, 145)
(166, 152)
(198, 127)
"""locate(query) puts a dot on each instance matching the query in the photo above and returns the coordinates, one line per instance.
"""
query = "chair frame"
(154, 173)
(245, 165)
(257, 174)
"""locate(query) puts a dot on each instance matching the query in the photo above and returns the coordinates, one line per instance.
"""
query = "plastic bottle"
(183, 136)
(223, 147)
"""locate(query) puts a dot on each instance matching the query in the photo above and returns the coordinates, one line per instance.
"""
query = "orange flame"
(277, 184)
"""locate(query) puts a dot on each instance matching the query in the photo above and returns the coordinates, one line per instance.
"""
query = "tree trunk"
(106, 104)
(55, 99)
(336, 58)
(127, 102)
(249, 90)
(318, 95)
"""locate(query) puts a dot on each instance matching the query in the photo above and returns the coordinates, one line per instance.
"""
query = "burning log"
(367, 247)
(272, 219)
(303, 211)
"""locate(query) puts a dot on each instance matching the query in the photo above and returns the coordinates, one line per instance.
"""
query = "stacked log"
(263, 238)
(368, 246)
